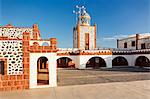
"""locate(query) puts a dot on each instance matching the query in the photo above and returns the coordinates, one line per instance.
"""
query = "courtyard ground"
(117, 90)
(92, 76)
(115, 83)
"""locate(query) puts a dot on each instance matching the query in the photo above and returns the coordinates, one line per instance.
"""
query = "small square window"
(125, 45)
(143, 46)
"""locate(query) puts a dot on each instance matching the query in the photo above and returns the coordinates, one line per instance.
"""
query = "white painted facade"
(131, 59)
(83, 59)
(141, 39)
(129, 43)
(90, 30)
(83, 31)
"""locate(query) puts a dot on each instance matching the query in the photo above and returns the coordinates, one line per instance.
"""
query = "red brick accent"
(44, 49)
(96, 53)
(13, 82)
(9, 26)
(36, 32)
(26, 59)
(53, 43)
(6, 38)
(85, 53)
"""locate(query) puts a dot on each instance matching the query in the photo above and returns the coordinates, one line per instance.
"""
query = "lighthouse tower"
(84, 34)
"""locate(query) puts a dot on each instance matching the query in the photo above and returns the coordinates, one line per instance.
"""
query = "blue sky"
(114, 18)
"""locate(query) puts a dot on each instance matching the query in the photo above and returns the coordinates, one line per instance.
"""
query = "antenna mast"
(79, 10)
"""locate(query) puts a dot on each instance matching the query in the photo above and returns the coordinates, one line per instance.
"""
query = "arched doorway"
(142, 61)
(96, 62)
(119, 61)
(65, 62)
(42, 71)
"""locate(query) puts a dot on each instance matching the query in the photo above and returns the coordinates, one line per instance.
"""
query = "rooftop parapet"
(131, 52)
(35, 48)
(83, 52)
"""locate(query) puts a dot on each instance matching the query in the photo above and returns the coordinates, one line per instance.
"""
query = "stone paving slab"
(118, 90)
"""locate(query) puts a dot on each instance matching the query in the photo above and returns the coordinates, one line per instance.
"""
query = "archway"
(96, 62)
(119, 61)
(65, 62)
(142, 61)
(45, 44)
(42, 71)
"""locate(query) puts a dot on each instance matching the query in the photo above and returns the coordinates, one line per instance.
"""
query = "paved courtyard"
(118, 90)
(92, 76)
(115, 83)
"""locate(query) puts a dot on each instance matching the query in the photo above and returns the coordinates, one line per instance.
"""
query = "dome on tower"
(86, 15)
(85, 18)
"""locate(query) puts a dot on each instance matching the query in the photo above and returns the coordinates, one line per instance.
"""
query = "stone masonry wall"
(18, 80)
(14, 32)
(12, 50)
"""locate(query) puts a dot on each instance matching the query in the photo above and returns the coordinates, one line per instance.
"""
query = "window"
(143, 46)
(125, 45)
(2, 67)
(133, 43)
(87, 41)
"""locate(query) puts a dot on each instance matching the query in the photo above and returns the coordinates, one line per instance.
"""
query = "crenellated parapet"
(83, 52)
(50, 47)
(95, 52)
(42, 49)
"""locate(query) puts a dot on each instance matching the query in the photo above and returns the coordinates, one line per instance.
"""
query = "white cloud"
(115, 37)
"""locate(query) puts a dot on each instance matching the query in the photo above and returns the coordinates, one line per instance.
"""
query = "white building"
(137, 41)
